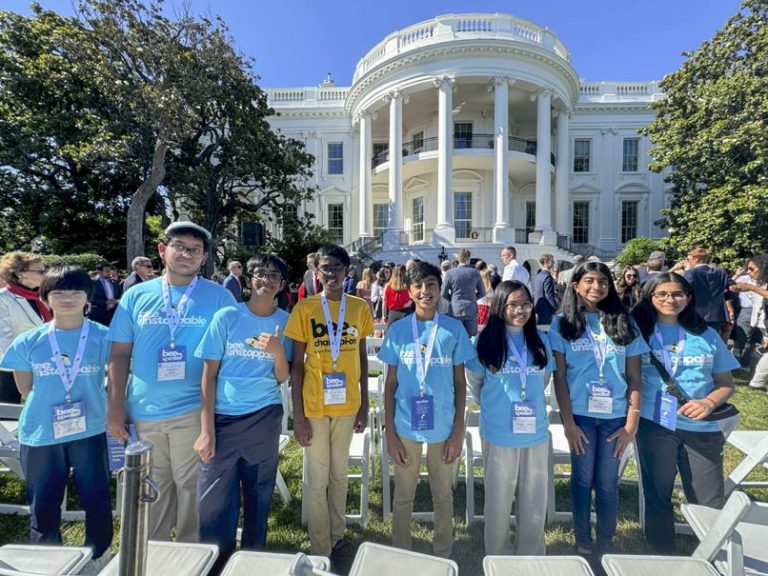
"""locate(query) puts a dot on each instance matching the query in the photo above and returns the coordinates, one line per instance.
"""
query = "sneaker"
(340, 557)
(96, 565)
(758, 385)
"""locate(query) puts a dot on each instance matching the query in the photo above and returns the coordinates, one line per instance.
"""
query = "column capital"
(394, 95)
(444, 81)
(541, 92)
(497, 81)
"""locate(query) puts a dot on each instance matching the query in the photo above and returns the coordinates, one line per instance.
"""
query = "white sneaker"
(96, 565)
(758, 385)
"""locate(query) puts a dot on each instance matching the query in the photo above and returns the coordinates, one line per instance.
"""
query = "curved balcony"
(460, 142)
(452, 27)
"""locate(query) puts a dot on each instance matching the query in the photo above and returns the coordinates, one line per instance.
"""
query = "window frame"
(585, 159)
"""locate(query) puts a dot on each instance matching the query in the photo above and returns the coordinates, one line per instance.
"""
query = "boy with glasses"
(155, 331)
(246, 358)
(330, 395)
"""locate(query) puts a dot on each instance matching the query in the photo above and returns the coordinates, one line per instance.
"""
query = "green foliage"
(711, 128)
(637, 250)
(85, 261)
(300, 236)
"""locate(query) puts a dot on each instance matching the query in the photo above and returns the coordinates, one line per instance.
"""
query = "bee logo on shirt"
(64, 358)
(251, 341)
(352, 331)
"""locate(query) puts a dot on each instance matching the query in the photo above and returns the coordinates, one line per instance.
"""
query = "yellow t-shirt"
(307, 324)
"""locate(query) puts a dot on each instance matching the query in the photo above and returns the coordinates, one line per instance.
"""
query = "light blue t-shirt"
(499, 390)
(582, 370)
(140, 319)
(452, 348)
(246, 380)
(31, 352)
(704, 354)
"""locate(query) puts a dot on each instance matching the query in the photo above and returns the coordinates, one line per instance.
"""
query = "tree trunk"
(134, 239)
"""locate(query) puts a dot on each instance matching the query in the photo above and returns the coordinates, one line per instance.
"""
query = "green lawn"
(287, 533)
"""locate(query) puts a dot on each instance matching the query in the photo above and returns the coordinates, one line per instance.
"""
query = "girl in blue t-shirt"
(674, 432)
(598, 385)
(513, 357)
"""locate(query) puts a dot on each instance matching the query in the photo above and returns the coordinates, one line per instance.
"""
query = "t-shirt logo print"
(349, 334)
(251, 341)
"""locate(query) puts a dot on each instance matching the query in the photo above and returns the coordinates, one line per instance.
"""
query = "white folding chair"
(165, 558)
(536, 566)
(473, 458)
(634, 565)
(734, 538)
(51, 560)
(753, 443)
(248, 562)
(387, 561)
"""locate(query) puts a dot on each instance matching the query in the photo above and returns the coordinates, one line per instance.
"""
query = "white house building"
(476, 130)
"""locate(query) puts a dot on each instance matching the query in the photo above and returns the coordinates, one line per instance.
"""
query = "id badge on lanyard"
(335, 383)
(69, 418)
(172, 359)
(423, 405)
(600, 392)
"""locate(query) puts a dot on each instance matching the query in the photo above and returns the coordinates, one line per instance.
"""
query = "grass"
(287, 534)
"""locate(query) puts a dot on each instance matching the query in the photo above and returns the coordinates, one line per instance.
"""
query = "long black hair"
(645, 314)
(492, 342)
(761, 262)
(613, 314)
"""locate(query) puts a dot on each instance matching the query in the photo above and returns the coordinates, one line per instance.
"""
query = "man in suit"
(463, 286)
(106, 295)
(350, 283)
(310, 285)
(232, 282)
(545, 296)
(655, 265)
(142, 270)
(710, 285)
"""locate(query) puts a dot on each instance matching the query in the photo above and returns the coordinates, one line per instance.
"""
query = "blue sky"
(296, 42)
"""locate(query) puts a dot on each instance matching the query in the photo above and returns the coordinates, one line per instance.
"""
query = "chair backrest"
(386, 561)
(247, 562)
(733, 512)
(536, 566)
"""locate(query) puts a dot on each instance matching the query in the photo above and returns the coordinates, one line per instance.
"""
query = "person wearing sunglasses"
(628, 287)
(142, 270)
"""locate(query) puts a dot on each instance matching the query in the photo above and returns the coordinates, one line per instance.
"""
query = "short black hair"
(420, 271)
(333, 251)
(101, 265)
(65, 278)
(184, 231)
(262, 260)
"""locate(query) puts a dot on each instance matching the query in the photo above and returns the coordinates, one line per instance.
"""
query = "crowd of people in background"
(195, 367)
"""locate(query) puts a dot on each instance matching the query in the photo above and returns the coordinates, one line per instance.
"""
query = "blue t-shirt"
(704, 354)
(31, 352)
(246, 380)
(140, 319)
(452, 348)
(499, 390)
(581, 367)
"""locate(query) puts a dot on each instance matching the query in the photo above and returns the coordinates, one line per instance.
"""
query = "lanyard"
(174, 314)
(334, 336)
(422, 364)
(68, 376)
(671, 364)
(599, 347)
(522, 362)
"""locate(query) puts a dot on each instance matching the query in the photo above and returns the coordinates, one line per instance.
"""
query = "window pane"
(581, 222)
(336, 158)
(629, 212)
(630, 156)
(462, 135)
(417, 217)
(582, 152)
(336, 222)
(530, 216)
(380, 219)
(462, 214)
(418, 141)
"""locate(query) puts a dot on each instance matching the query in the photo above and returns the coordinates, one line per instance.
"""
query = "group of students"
(199, 376)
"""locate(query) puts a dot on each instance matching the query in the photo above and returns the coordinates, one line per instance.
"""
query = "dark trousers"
(46, 469)
(245, 459)
(699, 458)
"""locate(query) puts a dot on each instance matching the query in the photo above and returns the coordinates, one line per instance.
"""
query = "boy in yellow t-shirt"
(330, 394)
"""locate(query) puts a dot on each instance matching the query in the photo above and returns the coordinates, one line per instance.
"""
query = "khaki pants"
(441, 486)
(174, 468)
(327, 481)
(511, 471)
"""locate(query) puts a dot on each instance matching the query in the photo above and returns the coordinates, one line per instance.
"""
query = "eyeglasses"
(194, 252)
(521, 306)
(270, 276)
(674, 295)
(331, 270)
(145, 265)
(630, 275)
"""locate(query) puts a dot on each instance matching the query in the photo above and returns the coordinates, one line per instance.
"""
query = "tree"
(300, 237)
(712, 129)
(637, 250)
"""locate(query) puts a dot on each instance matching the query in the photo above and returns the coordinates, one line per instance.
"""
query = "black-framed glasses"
(677, 295)
(522, 306)
(194, 251)
(267, 276)
(331, 270)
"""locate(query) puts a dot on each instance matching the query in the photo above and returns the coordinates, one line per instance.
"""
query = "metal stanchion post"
(138, 492)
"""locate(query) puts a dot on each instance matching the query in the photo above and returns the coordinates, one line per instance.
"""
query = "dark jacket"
(544, 297)
(99, 311)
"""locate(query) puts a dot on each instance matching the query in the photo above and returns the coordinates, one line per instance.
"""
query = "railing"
(586, 250)
(307, 95)
(416, 235)
(479, 235)
(468, 142)
(608, 91)
(364, 245)
(462, 26)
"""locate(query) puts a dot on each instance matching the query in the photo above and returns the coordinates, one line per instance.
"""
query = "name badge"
(171, 363)
(667, 411)
(600, 398)
(116, 449)
(422, 413)
(334, 388)
(68, 419)
(523, 418)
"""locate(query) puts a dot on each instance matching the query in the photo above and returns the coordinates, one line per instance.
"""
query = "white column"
(562, 171)
(365, 175)
(444, 231)
(543, 164)
(392, 237)
(501, 228)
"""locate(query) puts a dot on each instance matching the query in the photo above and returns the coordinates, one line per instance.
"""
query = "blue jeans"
(46, 469)
(597, 468)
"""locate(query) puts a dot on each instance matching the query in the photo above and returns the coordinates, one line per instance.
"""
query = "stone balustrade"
(620, 91)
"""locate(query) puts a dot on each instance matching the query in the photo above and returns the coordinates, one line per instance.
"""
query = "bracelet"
(714, 404)
(635, 411)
